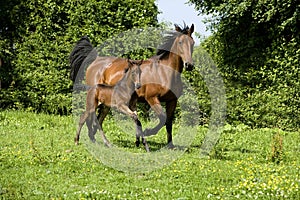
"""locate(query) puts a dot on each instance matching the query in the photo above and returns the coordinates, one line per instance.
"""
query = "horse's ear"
(126, 70)
(177, 28)
(191, 30)
(129, 61)
(140, 62)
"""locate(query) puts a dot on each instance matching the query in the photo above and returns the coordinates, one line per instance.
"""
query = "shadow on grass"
(154, 146)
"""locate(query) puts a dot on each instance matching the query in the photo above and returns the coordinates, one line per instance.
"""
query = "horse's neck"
(173, 61)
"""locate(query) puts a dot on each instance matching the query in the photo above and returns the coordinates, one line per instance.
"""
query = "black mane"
(164, 49)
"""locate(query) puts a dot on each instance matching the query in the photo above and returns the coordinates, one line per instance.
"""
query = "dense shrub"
(255, 45)
(38, 36)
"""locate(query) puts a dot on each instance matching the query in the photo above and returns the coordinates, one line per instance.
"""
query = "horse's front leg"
(158, 109)
(170, 110)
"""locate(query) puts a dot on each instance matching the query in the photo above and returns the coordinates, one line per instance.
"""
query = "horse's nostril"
(138, 86)
(189, 66)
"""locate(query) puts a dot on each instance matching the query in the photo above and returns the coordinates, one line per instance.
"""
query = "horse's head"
(135, 72)
(183, 45)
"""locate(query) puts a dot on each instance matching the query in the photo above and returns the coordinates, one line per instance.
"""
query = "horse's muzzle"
(189, 66)
(137, 86)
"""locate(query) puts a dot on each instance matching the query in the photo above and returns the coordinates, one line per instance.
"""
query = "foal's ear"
(140, 62)
(191, 30)
(130, 62)
(177, 28)
(126, 69)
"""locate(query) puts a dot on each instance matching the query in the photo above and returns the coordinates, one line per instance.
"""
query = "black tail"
(80, 52)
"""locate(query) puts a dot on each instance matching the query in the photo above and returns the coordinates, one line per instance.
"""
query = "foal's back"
(121, 92)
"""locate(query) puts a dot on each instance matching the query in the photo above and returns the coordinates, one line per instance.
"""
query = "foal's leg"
(133, 114)
(138, 124)
(82, 120)
(140, 134)
(157, 108)
(170, 109)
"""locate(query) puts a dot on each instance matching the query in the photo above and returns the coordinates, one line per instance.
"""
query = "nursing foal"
(117, 96)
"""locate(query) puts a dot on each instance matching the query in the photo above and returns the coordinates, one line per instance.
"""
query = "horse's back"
(105, 70)
(115, 72)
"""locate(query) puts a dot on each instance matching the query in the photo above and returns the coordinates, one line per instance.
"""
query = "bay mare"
(160, 75)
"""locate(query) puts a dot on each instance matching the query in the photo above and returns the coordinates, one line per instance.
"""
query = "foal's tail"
(82, 50)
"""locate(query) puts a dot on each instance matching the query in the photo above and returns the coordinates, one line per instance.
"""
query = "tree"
(41, 36)
(256, 46)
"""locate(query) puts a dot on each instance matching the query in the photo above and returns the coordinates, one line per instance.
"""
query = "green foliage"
(256, 47)
(38, 36)
(206, 82)
(39, 160)
(135, 43)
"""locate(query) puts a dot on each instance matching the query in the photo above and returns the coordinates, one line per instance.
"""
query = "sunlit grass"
(38, 160)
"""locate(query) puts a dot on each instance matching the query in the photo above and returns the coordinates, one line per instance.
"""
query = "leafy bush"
(255, 44)
(37, 47)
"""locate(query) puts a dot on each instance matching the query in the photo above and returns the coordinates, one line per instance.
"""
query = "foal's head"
(133, 72)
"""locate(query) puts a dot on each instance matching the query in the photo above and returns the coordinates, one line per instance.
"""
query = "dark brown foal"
(117, 96)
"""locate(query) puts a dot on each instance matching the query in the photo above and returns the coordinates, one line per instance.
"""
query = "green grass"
(38, 160)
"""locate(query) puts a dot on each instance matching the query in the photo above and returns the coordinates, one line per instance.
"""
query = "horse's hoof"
(93, 140)
(134, 117)
(137, 143)
(107, 144)
(147, 149)
(147, 132)
(76, 140)
(171, 146)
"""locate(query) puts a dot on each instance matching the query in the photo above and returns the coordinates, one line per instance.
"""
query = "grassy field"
(38, 160)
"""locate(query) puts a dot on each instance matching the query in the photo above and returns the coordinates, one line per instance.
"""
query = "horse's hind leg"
(90, 124)
(157, 108)
(95, 127)
(103, 111)
(91, 104)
